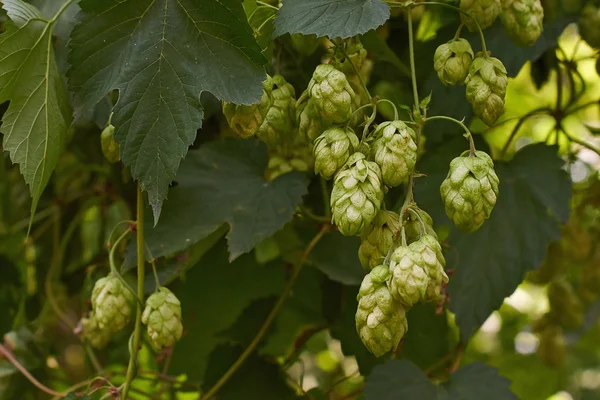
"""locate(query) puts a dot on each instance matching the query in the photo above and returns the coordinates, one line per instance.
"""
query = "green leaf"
(161, 55)
(257, 379)
(399, 379)
(336, 256)
(224, 182)
(376, 45)
(332, 18)
(38, 117)
(213, 297)
(490, 263)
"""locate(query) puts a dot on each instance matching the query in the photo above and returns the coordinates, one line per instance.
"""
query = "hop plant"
(452, 61)
(589, 24)
(355, 54)
(279, 119)
(110, 148)
(310, 123)
(357, 195)
(111, 302)
(470, 190)
(380, 319)
(415, 220)
(395, 151)
(523, 20)
(378, 239)
(486, 88)
(246, 120)
(417, 271)
(163, 317)
(484, 12)
(299, 159)
(332, 149)
(332, 94)
(97, 337)
(304, 44)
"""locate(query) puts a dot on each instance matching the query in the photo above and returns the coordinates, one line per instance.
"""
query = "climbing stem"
(467, 134)
(411, 49)
(356, 71)
(391, 103)
(137, 333)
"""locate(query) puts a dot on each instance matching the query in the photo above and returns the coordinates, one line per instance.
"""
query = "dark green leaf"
(213, 296)
(223, 182)
(256, 379)
(398, 380)
(490, 263)
(160, 55)
(332, 18)
(36, 122)
(475, 382)
(336, 256)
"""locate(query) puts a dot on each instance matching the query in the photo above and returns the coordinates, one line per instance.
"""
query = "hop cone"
(357, 195)
(310, 123)
(300, 159)
(111, 302)
(332, 94)
(378, 238)
(380, 320)
(486, 88)
(304, 44)
(417, 271)
(589, 24)
(395, 151)
(163, 317)
(332, 149)
(522, 20)
(470, 190)
(98, 338)
(277, 127)
(110, 148)
(452, 61)
(357, 55)
(414, 227)
(566, 308)
(246, 120)
(484, 12)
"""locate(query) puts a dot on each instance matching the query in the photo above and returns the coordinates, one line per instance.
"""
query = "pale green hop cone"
(279, 120)
(110, 148)
(470, 190)
(162, 315)
(589, 24)
(304, 44)
(112, 303)
(332, 149)
(378, 239)
(97, 338)
(356, 55)
(486, 88)
(332, 94)
(357, 195)
(417, 271)
(413, 224)
(380, 319)
(395, 151)
(452, 61)
(310, 123)
(523, 21)
(246, 120)
(484, 12)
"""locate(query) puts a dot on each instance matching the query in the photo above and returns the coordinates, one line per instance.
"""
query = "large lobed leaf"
(400, 379)
(38, 117)
(160, 55)
(492, 262)
(224, 182)
(332, 18)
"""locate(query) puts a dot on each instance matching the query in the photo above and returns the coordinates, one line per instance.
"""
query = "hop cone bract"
(523, 20)
(110, 148)
(111, 302)
(98, 338)
(277, 127)
(163, 317)
(417, 271)
(589, 24)
(486, 88)
(246, 120)
(332, 149)
(470, 190)
(484, 12)
(380, 319)
(332, 94)
(414, 227)
(395, 151)
(357, 195)
(452, 61)
(378, 238)
(310, 123)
